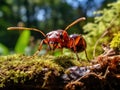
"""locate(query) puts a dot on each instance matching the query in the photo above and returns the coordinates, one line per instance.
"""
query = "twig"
(105, 33)
(86, 75)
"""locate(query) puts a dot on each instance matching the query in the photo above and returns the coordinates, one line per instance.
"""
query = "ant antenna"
(24, 28)
(75, 22)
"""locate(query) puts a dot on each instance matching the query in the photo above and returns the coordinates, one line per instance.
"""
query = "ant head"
(56, 36)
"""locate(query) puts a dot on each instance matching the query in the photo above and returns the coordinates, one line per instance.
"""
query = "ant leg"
(76, 51)
(39, 48)
(77, 56)
(86, 56)
(37, 52)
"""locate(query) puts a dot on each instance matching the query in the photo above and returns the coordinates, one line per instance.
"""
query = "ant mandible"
(60, 39)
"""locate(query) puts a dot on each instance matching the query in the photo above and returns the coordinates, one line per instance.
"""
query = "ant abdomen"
(79, 42)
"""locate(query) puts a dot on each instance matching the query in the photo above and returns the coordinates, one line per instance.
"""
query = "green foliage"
(115, 43)
(44, 14)
(3, 49)
(56, 14)
(22, 42)
(107, 19)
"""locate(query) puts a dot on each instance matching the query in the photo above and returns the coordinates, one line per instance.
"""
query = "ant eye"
(61, 36)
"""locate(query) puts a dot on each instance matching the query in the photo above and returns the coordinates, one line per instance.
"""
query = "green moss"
(19, 69)
(115, 43)
(66, 62)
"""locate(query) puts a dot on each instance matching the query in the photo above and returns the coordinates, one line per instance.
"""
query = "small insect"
(60, 39)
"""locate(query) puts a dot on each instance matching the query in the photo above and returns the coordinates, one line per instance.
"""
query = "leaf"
(22, 42)
(3, 49)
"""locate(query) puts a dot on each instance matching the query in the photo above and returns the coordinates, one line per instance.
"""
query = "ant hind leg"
(77, 57)
(86, 56)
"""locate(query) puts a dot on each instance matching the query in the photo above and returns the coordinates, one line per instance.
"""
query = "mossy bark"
(19, 72)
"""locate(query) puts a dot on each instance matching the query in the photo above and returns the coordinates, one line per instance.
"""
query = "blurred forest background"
(48, 15)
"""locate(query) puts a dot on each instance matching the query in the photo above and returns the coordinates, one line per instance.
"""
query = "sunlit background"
(46, 15)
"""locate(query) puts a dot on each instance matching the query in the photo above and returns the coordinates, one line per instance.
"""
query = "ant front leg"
(37, 52)
(39, 48)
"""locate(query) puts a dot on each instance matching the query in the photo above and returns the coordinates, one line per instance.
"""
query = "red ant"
(60, 39)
